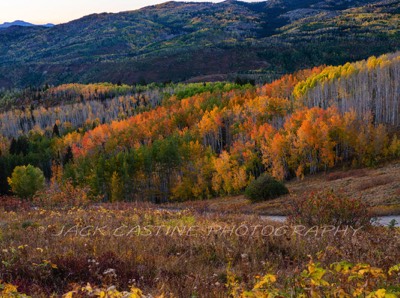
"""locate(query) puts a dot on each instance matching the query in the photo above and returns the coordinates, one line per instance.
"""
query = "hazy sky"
(60, 11)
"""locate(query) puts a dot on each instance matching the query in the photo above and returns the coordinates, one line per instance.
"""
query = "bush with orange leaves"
(62, 195)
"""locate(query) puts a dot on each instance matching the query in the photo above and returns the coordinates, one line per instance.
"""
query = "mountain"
(48, 25)
(15, 23)
(199, 41)
(22, 24)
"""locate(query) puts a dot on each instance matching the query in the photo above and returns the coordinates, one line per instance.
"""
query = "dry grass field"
(46, 253)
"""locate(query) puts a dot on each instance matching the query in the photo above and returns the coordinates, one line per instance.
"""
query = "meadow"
(103, 250)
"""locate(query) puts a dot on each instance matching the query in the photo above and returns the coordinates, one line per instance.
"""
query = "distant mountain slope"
(183, 41)
(15, 23)
(22, 24)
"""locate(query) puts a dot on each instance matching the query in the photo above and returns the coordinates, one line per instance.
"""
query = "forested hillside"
(178, 142)
(76, 106)
(199, 41)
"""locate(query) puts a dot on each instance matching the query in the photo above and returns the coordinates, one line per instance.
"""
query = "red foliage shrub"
(327, 208)
(13, 204)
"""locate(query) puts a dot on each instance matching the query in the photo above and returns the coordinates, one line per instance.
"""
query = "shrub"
(13, 204)
(340, 279)
(63, 195)
(264, 188)
(25, 181)
(327, 208)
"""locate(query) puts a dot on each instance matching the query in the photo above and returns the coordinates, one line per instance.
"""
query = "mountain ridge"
(178, 41)
(23, 24)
